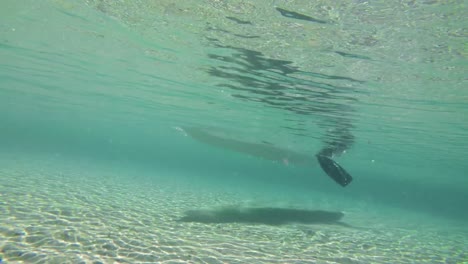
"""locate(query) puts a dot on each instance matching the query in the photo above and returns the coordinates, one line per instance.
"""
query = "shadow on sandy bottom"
(263, 215)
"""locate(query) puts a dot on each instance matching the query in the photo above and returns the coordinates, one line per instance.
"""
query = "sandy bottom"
(76, 213)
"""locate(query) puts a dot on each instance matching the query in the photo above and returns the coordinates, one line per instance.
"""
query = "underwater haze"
(234, 131)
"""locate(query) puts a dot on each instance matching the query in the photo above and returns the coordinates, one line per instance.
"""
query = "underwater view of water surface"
(233, 131)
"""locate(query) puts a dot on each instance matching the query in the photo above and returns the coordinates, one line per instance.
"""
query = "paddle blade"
(334, 170)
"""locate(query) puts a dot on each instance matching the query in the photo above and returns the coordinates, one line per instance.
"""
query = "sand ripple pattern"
(66, 216)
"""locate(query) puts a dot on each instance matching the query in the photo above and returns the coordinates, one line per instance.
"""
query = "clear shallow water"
(124, 85)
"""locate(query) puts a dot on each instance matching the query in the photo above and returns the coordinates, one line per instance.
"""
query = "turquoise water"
(186, 132)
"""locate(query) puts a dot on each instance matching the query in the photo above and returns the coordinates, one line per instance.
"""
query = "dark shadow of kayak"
(263, 215)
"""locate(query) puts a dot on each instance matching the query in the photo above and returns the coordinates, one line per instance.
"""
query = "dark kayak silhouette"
(263, 150)
(270, 152)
